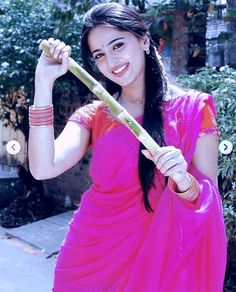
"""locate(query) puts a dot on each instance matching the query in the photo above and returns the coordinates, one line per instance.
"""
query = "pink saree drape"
(114, 244)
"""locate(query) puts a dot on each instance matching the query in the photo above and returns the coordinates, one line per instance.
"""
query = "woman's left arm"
(171, 162)
(205, 157)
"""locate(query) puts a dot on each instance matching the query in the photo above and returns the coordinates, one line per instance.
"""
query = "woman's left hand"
(171, 162)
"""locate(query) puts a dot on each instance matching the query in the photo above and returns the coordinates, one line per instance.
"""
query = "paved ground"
(11, 173)
(28, 254)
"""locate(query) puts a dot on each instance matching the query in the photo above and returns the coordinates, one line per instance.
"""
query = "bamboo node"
(97, 89)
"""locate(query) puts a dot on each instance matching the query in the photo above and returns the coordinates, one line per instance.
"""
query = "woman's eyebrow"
(112, 41)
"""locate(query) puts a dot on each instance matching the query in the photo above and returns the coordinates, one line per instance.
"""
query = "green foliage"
(222, 85)
(140, 4)
(162, 28)
(224, 36)
(23, 24)
(231, 12)
(19, 39)
(195, 15)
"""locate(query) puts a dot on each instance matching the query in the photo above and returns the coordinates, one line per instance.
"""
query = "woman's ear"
(145, 41)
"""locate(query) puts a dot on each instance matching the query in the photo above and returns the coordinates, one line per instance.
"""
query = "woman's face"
(119, 55)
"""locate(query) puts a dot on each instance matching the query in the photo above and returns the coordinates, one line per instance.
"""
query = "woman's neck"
(132, 101)
(132, 95)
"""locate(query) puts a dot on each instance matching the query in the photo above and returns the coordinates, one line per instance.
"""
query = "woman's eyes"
(98, 56)
(115, 47)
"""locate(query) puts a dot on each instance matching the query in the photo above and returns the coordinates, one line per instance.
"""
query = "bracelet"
(41, 116)
(190, 194)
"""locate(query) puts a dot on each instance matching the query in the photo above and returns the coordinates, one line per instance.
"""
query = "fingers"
(161, 151)
(164, 157)
(58, 49)
(169, 161)
(147, 154)
(177, 172)
(65, 57)
(55, 63)
(51, 40)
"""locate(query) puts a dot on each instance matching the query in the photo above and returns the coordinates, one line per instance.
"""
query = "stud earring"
(147, 51)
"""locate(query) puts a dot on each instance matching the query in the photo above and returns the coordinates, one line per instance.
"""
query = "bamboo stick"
(114, 106)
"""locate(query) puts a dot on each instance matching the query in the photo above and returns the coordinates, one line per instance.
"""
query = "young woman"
(147, 223)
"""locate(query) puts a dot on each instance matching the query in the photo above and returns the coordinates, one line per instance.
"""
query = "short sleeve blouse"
(85, 114)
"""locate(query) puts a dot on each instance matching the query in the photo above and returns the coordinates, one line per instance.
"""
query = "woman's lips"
(120, 70)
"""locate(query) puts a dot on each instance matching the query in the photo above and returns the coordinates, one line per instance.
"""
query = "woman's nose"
(112, 61)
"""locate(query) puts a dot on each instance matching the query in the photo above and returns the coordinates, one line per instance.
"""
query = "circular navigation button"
(225, 147)
(13, 147)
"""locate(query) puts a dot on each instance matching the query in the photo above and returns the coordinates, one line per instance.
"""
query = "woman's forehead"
(101, 36)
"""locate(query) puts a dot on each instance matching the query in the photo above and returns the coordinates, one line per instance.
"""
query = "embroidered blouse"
(84, 116)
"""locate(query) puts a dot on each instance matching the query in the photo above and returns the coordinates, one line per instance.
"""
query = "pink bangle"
(40, 108)
(41, 116)
(42, 122)
(190, 194)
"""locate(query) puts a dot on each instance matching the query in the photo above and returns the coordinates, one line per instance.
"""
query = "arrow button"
(13, 147)
(225, 147)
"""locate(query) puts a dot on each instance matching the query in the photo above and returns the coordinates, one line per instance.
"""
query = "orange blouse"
(84, 117)
(208, 125)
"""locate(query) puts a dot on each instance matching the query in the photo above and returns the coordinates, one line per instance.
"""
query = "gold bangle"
(190, 194)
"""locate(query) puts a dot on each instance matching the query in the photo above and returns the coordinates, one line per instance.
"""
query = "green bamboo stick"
(114, 106)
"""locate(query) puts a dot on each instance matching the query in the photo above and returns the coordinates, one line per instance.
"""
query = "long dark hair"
(125, 18)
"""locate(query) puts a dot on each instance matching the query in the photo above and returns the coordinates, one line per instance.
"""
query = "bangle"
(190, 194)
(41, 116)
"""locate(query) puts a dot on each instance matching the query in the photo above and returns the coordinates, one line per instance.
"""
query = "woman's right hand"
(49, 68)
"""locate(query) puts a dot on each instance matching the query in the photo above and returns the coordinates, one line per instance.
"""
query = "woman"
(147, 223)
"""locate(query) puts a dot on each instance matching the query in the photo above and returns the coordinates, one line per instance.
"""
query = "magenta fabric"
(114, 244)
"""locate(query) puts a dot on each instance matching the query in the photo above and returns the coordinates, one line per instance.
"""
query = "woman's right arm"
(48, 157)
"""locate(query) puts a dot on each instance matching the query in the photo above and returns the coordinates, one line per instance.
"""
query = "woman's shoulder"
(174, 92)
(189, 113)
(90, 108)
(92, 105)
(85, 114)
(191, 101)
(177, 94)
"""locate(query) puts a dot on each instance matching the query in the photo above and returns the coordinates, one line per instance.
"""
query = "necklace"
(139, 101)
(111, 116)
(135, 101)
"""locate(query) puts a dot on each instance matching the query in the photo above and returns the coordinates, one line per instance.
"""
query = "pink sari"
(114, 244)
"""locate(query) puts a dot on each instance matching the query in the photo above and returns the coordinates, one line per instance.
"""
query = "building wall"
(7, 160)
(75, 181)
(72, 183)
